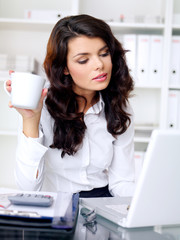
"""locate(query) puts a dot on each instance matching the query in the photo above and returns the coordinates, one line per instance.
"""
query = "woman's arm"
(30, 151)
(30, 162)
(122, 168)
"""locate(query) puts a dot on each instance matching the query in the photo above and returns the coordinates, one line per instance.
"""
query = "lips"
(101, 77)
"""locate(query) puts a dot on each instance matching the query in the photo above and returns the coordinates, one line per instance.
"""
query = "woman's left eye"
(105, 54)
(82, 61)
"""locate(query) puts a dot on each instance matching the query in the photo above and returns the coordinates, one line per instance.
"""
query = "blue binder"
(66, 223)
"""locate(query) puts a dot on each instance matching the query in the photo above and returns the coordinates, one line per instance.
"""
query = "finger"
(43, 95)
(8, 83)
(44, 92)
(10, 105)
(10, 71)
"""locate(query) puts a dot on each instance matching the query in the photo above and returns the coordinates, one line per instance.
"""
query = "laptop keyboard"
(121, 208)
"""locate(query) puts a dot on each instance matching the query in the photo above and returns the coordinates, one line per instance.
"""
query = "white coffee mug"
(26, 89)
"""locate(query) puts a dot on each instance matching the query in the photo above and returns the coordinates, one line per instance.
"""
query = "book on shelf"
(173, 118)
(175, 61)
(20, 63)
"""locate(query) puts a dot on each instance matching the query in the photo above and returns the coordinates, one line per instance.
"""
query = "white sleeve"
(30, 158)
(122, 168)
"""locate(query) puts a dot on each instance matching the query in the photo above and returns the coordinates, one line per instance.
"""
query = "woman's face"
(89, 64)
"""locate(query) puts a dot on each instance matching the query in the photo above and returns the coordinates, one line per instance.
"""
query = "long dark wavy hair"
(61, 101)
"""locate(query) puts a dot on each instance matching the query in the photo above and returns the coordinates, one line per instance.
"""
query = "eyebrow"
(83, 54)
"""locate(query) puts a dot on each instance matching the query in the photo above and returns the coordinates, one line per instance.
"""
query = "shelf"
(26, 24)
(176, 26)
(177, 87)
(145, 127)
(115, 25)
(143, 133)
(137, 85)
(11, 23)
(141, 139)
(8, 133)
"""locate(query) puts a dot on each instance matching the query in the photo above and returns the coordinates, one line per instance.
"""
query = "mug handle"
(8, 93)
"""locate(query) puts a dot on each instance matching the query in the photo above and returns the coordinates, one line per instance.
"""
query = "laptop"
(157, 195)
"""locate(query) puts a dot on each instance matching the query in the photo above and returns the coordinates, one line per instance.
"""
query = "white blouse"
(101, 159)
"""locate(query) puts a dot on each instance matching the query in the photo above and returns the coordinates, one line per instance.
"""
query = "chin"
(103, 86)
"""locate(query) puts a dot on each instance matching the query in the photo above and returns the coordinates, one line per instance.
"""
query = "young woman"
(80, 139)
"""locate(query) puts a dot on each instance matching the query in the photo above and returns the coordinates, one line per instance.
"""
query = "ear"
(66, 71)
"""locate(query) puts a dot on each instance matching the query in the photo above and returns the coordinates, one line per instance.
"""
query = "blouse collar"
(98, 107)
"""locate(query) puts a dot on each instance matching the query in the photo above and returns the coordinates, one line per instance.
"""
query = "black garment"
(96, 192)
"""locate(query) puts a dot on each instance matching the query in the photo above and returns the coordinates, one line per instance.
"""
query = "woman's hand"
(28, 113)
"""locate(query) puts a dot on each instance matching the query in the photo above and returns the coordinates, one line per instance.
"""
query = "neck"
(86, 101)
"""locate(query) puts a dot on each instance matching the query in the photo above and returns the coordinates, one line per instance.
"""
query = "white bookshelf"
(29, 37)
(124, 25)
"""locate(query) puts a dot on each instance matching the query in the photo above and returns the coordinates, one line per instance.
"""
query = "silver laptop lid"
(157, 196)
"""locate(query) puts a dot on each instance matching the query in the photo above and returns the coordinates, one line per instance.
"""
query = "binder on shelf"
(155, 60)
(45, 15)
(22, 63)
(173, 109)
(175, 61)
(26, 64)
(129, 44)
(179, 114)
(143, 50)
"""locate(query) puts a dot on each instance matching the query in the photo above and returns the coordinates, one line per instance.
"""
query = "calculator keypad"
(39, 200)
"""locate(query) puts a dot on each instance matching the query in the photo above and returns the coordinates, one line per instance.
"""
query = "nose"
(98, 63)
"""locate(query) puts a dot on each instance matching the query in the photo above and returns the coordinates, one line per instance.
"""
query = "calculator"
(39, 200)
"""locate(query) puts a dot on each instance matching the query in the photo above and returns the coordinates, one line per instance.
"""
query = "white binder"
(155, 60)
(129, 43)
(178, 111)
(175, 61)
(173, 108)
(143, 49)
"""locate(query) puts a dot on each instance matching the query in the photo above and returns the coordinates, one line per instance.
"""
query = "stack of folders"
(144, 57)
(174, 109)
(22, 63)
